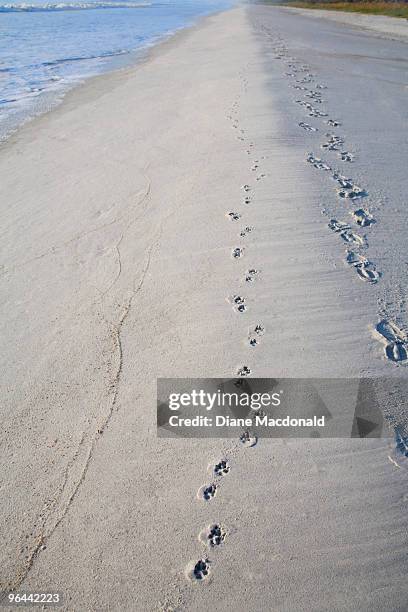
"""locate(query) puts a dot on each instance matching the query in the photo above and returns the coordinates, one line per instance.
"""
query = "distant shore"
(392, 9)
(383, 25)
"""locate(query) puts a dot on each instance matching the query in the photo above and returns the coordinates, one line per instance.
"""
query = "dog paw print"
(244, 371)
(251, 275)
(248, 439)
(199, 570)
(221, 468)
(213, 536)
(207, 492)
(234, 216)
(237, 252)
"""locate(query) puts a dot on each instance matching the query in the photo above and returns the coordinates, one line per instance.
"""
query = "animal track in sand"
(237, 252)
(260, 177)
(317, 162)
(234, 216)
(243, 371)
(362, 217)
(346, 156)
(333, 123)
(333, 143)
(247, 230)
(307, 127)
(213, 536)
(207, 492)
(255, 333)
(251, 275)
(247, 200)
(222, 468)
(248, 439)
(199, 571)
(246, 188)
(259, 329)
(238, 303)
(395, 340)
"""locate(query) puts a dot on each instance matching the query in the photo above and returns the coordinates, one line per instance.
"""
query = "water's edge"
(117, 63)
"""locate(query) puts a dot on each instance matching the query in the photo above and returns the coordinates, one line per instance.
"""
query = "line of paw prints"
(239, 302)
(215, 534)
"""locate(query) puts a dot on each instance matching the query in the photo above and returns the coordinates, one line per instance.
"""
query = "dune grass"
(371, 7)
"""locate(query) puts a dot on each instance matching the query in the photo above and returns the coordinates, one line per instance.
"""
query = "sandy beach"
(132, 215)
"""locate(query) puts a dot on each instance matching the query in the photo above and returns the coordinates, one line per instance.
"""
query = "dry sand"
(116, 269)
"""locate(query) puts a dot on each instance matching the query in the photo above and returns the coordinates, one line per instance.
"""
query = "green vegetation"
(370, 7)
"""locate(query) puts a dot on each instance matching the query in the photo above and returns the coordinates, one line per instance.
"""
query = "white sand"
(116, 257)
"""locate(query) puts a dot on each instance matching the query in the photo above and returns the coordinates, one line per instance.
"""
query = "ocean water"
(48, 47)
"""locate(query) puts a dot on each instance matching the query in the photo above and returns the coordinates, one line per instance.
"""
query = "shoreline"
(140, 56)
(134, 57)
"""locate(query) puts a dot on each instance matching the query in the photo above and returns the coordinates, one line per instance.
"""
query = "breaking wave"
(68, 6)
